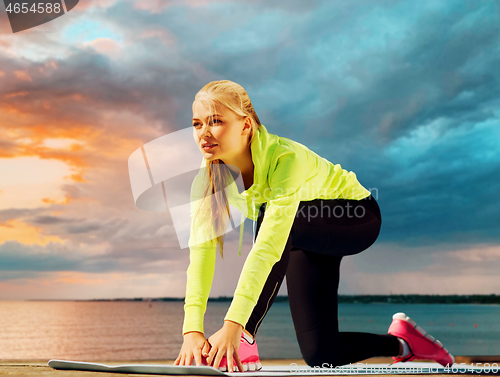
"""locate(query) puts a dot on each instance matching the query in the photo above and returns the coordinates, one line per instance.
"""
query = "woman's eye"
(197, 124)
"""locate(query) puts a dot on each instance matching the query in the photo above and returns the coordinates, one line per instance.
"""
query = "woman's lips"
(209, 147)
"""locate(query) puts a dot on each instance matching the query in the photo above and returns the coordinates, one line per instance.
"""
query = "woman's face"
(226, 130)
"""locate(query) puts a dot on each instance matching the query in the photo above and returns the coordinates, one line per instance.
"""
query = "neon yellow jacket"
(285, 173)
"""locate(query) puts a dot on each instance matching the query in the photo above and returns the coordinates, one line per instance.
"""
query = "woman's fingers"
(229, 359)
(211, 355)
(206, 349)
(218, 359)
(197, 357)
(238, 361)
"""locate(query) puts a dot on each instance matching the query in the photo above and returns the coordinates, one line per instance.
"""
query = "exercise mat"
(280, 370)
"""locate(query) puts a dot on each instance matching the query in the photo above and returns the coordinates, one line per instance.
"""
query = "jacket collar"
(262, 148)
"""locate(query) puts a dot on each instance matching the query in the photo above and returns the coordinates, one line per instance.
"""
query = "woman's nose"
(204, 130)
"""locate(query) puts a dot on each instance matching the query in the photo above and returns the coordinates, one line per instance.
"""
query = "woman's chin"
(209, 156)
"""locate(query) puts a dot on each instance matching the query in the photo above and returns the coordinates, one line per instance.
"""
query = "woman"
(310, 213)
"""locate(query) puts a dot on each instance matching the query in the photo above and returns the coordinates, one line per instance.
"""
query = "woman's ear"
(247, 127)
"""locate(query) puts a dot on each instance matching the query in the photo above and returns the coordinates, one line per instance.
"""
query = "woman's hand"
(194, 346)
(226, 342)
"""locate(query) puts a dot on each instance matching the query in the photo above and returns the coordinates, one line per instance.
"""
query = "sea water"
(138, 330)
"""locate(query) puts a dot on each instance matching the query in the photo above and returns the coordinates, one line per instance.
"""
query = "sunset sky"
(403, 93)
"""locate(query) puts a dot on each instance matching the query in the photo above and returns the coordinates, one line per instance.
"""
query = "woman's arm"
(200, 272)
(285, 181)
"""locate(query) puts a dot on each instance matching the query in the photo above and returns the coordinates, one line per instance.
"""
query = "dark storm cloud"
(18, 257)
(403, 93)
(49, 220)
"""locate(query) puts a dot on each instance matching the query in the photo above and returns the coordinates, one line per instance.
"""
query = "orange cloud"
(16, 94)
(48, 67)
(8, 108)
(163, 35)
(23, 75)
(157, 6)
(66, 201)
(72, 277)
(16, 230)
(105, 46)
(153, 6)
(85, 5)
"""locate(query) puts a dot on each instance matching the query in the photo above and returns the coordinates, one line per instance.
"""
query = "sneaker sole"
(404, 317)
(247, 367)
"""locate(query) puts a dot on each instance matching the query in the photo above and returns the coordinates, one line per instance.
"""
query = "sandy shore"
(40, 367)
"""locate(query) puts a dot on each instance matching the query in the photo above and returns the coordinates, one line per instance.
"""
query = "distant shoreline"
(348, 299)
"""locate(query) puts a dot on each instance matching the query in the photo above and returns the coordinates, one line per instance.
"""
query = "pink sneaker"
(249, 356)
(422, 345)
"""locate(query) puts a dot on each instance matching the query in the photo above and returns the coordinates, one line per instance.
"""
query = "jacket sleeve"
(286, 178)
(201, 268)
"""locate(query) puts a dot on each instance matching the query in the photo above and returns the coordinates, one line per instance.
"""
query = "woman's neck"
(248, 180)
(245, 165)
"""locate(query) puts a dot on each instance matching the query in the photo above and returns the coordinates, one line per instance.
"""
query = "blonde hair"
(233, 97)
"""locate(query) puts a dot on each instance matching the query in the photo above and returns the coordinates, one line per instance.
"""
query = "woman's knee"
(320, 359)
(320, 349)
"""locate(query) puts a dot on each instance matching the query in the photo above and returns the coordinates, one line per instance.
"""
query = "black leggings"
(322, 233)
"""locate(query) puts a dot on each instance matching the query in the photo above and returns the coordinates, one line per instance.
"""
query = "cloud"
(380, 87)
(414, 270)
